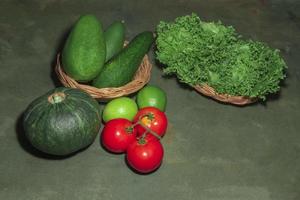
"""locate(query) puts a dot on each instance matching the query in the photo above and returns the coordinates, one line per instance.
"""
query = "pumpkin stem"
(56, 97)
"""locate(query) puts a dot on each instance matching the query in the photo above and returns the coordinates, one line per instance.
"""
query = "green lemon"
(122, 107)
(152, 96)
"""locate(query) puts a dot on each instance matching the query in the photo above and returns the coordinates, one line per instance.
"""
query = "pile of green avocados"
(66, 120)
(97, 57)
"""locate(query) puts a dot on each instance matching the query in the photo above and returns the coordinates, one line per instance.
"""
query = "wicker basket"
(141, 78)
(236, 100)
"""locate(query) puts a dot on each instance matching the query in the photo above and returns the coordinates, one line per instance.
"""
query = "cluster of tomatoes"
(139, 138)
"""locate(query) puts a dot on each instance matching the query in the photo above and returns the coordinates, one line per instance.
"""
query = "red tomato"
(152, 118)
(145, 156)
(117, 134)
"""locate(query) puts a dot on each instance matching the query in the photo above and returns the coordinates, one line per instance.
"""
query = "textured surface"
(212, 151)
(121, 69)
(83, 55)
(62, 121)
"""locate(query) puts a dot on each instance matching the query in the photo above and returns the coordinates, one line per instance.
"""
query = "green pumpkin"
(62, 121)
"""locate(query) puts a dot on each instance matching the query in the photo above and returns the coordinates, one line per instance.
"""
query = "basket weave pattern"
(236, 100)
(141, 78)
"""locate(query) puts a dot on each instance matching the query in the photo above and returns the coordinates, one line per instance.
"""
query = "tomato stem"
(150, 116)
(138, 121)
(129, 129)
(148, 130)
(142, 140)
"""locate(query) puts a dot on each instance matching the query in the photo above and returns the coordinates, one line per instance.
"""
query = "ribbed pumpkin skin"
(65, 127)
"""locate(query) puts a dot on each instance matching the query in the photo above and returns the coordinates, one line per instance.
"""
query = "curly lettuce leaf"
(199, 52)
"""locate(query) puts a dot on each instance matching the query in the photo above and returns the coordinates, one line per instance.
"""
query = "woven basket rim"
(141, 78)
(225, 98)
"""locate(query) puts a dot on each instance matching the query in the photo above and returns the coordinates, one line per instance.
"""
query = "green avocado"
(84, 52)
(114, 37)
(120, 70)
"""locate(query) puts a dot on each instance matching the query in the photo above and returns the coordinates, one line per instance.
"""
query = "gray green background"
(212, 151)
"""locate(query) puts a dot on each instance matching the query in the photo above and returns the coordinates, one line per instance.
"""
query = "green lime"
(122, 107)
(152, 96)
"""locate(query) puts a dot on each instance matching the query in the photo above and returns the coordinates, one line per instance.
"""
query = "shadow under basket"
(225, 98)
(141, 78)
